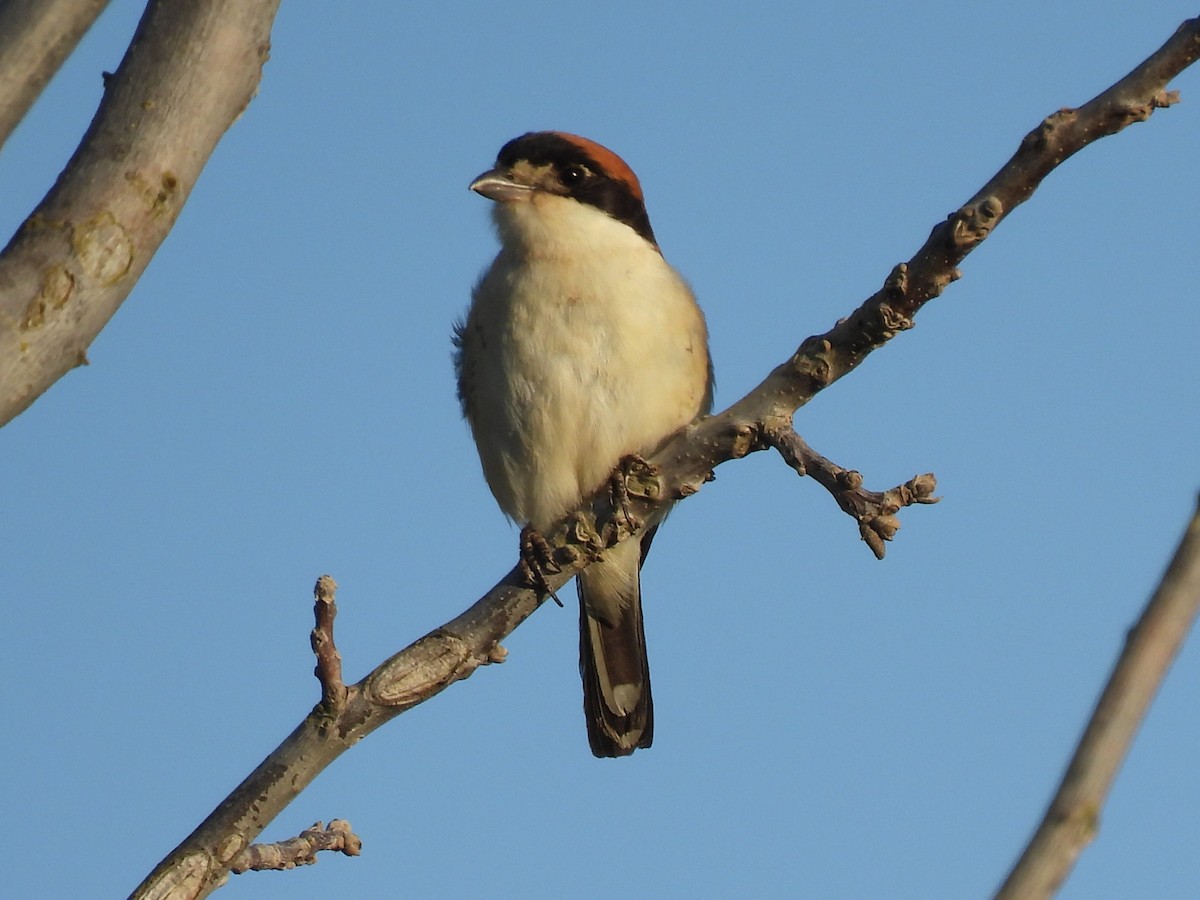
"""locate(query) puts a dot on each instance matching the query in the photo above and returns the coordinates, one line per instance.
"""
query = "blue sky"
(275, 400)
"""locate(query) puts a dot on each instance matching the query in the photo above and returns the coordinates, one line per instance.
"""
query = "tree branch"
(680, 467)
(1073, 817)
(36, 37)
(329, 661)
(189, 72)
(301, 850)
(874, 511)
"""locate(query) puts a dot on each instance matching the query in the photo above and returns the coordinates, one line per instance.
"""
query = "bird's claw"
(633, 477)
(537, 559)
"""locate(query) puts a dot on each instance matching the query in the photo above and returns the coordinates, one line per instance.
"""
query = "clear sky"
(275, 400)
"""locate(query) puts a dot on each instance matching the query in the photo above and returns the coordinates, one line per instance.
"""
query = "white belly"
(572, 368)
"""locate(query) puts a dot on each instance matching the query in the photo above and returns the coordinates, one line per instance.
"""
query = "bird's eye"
(572, 175)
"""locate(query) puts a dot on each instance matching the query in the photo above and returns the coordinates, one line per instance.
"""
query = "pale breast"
(573, 367)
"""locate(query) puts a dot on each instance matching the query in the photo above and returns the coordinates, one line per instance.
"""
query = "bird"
(581, 347)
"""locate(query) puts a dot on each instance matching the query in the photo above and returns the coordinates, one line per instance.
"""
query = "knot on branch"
(1164, 98)
(421, 669)
(639, 478)
(892, 321)
(585, 541)
(104, 248)
(1123, 114)
(811, 362)
(1038, 139)
(975, 221)
(896, 284)
(744, 439)
(57, 286)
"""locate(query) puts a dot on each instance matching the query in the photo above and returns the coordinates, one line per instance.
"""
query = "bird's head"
(555, 180)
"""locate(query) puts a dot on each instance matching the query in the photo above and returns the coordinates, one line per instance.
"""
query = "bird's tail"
(612, 653)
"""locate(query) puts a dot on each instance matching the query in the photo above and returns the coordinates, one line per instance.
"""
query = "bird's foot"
(537, 560)
(630, 479)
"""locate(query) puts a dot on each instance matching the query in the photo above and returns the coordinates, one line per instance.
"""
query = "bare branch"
(199, 865)
(329, 661)
(189, 72)
(36, 37)
(679, 468)
(1073, 817)
(875, 512)
(301, 850)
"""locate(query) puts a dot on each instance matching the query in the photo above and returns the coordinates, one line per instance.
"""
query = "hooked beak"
(495, 184)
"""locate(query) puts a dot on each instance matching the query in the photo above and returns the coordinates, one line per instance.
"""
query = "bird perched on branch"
(581, 346)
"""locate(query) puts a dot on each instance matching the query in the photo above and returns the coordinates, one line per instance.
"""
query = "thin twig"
(329, 661)
(1073, 817)
(301, 850)
(874, 511)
